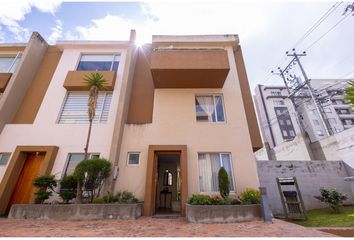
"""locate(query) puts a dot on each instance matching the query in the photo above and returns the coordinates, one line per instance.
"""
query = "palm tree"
(349, 92)
(95, 82)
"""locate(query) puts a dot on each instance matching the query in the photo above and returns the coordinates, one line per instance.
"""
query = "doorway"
(176, 165)
(168, 193)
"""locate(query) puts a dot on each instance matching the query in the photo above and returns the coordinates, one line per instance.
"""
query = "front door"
(24, 188)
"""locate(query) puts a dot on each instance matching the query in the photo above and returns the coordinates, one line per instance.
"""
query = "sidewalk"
(151, 227)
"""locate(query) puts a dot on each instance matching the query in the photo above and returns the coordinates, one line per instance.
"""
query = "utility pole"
(296, 89)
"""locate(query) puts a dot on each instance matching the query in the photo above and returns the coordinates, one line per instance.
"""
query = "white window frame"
(98, 54)
(221, 165)
(133, 165)
(211, 95)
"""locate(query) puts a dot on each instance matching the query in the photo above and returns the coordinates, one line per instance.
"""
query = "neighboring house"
(173, 113)
(278, 120)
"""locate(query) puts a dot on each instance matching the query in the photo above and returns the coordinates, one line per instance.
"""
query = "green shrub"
(45, 185)
(216, 200)
(68, 188)
(110, 198)
(332, 197)
(98, 200)
(92, 174)
(126, 197)
(199, 199)
(224, 183)
(250, 196)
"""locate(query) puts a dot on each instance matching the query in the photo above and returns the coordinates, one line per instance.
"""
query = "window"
(327, 110)
(98, 62)
(75, 108)
(281, 122)
(285, 133)
(339, 102)
(316, 122)
(278, 102)
(209, 108)
(347, 122)
(332, 121)
(133, 158)
(4, 158)
(292, 133)
(288, 122)
(8, 64)
(74, 159)
(320, 133)
(209, 166)
(275, 93)
(343, 111)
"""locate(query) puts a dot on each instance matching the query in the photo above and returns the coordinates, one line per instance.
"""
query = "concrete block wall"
(311, 176)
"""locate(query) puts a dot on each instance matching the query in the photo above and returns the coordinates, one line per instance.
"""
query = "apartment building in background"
(280, 123)
(179, 108)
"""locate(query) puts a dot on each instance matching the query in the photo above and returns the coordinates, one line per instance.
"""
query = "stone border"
(76, 211)
(222, 213)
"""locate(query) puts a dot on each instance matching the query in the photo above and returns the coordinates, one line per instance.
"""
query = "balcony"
(193, 68)
(4, 79)
(74, 80)
(346, 115)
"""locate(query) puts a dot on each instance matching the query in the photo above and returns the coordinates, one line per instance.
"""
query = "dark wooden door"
(24, 188)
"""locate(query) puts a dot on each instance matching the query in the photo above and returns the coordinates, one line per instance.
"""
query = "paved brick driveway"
(151, 227)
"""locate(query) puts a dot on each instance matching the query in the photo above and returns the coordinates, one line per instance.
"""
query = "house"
(173, 113)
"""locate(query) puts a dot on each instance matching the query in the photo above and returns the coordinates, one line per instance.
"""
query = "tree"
(44, 183)
(332, 197)
(349, 92)
(224, 183)
(92, 174)
(95, 82)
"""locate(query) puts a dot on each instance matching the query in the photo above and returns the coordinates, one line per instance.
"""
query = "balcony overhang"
(74, 80)
(192, 68)
(4, 79)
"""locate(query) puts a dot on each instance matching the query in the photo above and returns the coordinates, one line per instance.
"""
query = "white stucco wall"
(70, 138)
(174, 123)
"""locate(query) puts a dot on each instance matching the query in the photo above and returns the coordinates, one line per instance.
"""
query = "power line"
(318, 23)
(341, 20)
(307, 33)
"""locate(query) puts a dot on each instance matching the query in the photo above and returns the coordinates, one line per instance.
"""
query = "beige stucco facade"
(174, 123)
(168, 122)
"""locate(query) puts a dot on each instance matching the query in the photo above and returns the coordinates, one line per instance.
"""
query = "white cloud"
(11, 12)
(56, 32)
(107, 28)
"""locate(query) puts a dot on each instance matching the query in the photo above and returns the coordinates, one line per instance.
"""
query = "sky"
(267, 29)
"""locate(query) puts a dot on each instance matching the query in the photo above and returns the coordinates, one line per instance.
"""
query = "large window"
(4, 158)
(209, 108)
(75, 108)
(209, 165)
(8, 64)
(98, 63)
(74, 159)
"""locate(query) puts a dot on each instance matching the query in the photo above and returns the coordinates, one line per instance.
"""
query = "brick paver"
(151, 227)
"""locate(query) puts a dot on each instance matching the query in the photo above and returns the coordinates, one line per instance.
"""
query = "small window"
(4, 158)
(133, 158)
(98, 63)
(292, 133)
(209, 108)
(320, 133)
(288, 122)
(74, 159)
(278, 102)
(347, 122)
(281, 122)
(285, 133)
(275, 93)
